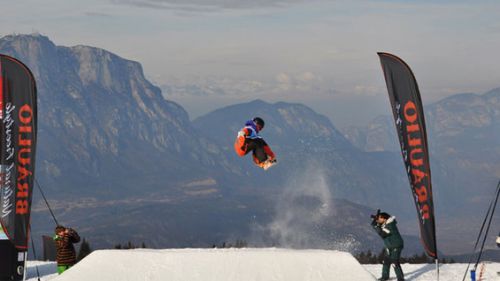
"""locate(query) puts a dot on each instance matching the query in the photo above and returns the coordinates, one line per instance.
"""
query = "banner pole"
(437, 268)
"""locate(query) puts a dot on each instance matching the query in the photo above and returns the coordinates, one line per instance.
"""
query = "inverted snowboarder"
(248, 139)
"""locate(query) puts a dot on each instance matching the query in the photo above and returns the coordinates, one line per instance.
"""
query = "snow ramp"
(247, 264)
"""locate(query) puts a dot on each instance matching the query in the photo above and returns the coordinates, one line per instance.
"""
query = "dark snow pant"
(257, 148)
(392, 257)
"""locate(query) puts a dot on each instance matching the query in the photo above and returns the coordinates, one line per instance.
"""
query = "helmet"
(259, 121)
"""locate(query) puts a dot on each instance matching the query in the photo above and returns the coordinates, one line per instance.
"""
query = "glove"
(241, 134)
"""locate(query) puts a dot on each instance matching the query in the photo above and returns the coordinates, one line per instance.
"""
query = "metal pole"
(437, 269)
(34, 254)
(46, 202)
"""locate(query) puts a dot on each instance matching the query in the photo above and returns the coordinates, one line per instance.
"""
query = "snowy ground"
(238, 264)
(447, 272)
(47, 270)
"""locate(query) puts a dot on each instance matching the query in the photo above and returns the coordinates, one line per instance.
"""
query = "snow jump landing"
(218, 265)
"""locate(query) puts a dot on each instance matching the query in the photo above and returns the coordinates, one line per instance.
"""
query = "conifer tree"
(85, 250)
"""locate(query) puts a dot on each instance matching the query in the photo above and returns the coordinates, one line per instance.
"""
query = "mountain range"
(464, 133)
(119, 162)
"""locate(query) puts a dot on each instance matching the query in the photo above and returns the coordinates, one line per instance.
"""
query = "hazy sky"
(210, 53)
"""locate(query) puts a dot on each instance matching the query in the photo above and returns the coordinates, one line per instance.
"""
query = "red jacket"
(240, 145)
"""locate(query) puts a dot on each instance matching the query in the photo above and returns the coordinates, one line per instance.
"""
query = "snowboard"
(268, 164)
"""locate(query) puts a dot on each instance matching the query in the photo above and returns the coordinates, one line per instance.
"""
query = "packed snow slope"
(241, 265)
(217, 265)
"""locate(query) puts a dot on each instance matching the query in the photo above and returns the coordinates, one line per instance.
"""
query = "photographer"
(66, 255)
(385, 225)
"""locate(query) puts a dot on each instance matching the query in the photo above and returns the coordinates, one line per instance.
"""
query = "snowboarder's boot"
(268, 164)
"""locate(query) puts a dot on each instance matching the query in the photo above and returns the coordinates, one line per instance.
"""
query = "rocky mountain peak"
(34, 49)
(96, 108)
(287, 124)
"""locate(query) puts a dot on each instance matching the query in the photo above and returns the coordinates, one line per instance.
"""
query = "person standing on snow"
(385, 226)
(248, 139)
(66, 255)
(498, 244)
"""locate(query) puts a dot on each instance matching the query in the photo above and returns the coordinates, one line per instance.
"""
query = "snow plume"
(304, 205)
(304, 215)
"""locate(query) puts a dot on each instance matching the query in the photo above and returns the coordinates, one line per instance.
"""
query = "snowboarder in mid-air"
(248, 139)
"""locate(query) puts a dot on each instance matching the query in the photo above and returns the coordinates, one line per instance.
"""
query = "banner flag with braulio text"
(410, 124)
(18, 127)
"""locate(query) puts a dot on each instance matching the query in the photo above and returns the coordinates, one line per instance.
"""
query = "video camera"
(374, 217)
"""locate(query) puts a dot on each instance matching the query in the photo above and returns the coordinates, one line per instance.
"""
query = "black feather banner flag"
(18, 123)
(410, 124)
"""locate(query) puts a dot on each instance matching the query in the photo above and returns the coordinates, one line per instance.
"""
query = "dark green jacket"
(389, 233)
